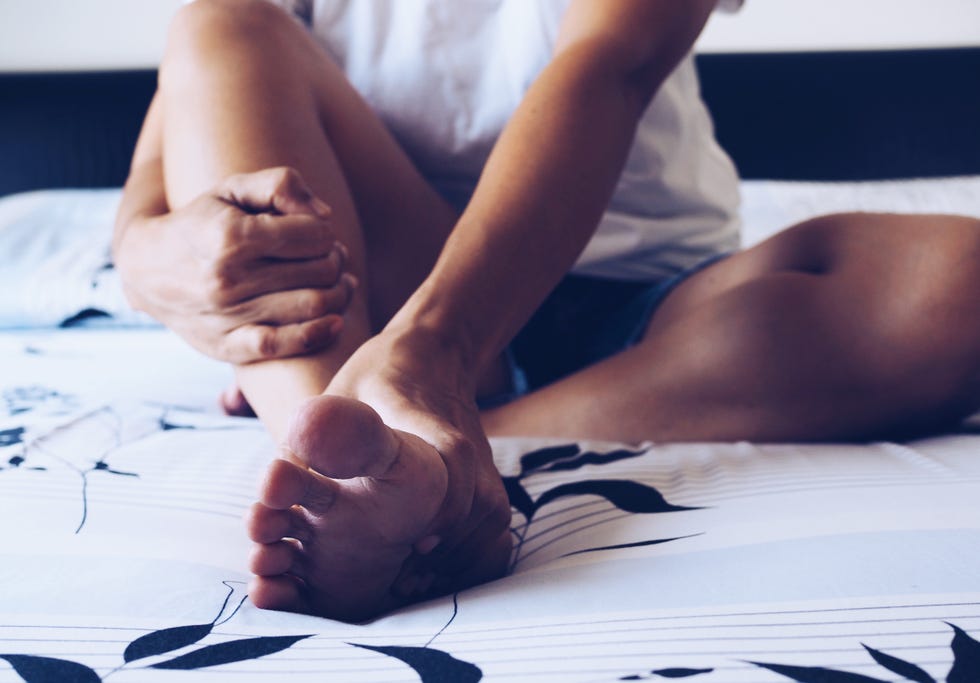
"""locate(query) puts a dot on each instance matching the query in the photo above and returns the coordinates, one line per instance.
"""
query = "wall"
(780, 25)
(99, 34)
(82, 34)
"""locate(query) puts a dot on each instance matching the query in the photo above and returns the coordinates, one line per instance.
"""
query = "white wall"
(780, 25)
(82, 34)
(102, 34)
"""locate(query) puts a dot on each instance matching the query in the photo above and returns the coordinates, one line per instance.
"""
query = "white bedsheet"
(122, 489)
(121, 548)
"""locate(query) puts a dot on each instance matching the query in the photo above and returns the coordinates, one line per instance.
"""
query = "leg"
(244, 88)
(851, 326)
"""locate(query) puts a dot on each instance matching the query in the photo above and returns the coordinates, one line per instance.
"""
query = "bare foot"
(338, 517)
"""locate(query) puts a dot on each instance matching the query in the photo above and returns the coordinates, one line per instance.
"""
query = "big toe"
(342, 438)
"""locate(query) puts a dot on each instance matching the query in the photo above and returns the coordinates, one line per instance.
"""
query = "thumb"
(279, 190)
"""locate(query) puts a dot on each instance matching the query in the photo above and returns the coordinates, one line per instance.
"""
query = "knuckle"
(264, 342)
(226, 349)
(306, 337)
(221, 285)
(228, 229)
(318, 304)
(312, 336)
(288, 182)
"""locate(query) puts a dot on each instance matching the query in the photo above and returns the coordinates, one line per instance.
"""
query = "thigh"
(852, 326)
(894, 265)
(246, 87)
(845, 326)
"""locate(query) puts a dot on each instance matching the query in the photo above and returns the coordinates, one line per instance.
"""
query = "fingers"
(280, 190)
(267, 235)
(255, 342)
(256, 280)
(293, 306)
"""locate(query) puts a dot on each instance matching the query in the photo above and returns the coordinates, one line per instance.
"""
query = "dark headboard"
(847, 115)
(805, 116)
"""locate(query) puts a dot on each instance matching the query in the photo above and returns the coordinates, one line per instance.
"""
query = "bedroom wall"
(104, 34)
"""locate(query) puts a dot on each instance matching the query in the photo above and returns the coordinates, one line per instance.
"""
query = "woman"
(378, 226)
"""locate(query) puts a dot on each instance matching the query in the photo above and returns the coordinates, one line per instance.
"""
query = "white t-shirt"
(445, 77)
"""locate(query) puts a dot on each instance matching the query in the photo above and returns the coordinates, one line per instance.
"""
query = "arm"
(533, 213)
(537, 203)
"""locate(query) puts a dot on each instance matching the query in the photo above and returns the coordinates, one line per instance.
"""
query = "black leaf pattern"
(518, 496)
(50, 670)
(621, 546)
(232, 651)
(816, 674)
(900, 666)
(165, 640)
(629, 496)
(680, 673)
(966, 658)
(590, 458)
(432, 666)
(535, 460)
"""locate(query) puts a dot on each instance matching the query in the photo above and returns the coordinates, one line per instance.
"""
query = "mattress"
(122, 489)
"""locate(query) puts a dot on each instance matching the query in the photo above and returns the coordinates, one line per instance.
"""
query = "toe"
(267, 525)
(274, 559)
(342, 438)
(287, 484)
(278, 592)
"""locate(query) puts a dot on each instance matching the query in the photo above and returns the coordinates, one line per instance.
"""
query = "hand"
(415, 386)
(247, 272)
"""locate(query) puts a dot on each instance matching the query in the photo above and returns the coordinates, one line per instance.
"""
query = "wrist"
(127, 241)
(428, 328)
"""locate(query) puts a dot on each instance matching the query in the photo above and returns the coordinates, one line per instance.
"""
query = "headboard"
(801, 116)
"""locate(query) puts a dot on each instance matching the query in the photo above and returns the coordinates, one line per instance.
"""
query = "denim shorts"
(583, 321)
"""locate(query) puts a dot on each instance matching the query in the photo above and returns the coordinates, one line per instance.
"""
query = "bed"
(122, 486)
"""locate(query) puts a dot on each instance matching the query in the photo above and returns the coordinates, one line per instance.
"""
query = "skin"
(386, 490)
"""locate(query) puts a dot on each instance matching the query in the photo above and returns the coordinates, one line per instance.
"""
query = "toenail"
(426, 545)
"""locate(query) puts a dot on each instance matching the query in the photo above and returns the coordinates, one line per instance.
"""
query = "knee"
(205, 33)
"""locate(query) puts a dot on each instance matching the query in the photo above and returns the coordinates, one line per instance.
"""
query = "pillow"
(768, 206)
(57, 268)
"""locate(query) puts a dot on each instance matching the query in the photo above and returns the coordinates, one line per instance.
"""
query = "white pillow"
(55, 251)
(769, 206)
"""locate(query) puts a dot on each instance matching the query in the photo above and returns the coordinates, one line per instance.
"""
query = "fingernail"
(321, 208)
(336, 326)
(351, 280)
(342, 249)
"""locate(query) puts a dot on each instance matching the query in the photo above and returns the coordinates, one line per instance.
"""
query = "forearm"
(537, 204)
(551, 174)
